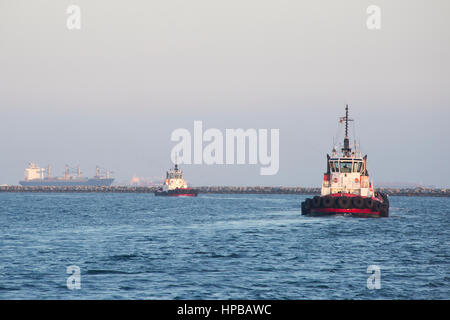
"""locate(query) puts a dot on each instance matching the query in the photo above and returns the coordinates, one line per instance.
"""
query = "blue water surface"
(138, 246)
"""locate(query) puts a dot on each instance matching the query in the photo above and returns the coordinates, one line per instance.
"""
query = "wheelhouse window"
(334, 166)
(346, 167)
(357, 166)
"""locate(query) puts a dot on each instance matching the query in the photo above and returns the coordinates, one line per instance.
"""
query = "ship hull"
(349, 205)
(358, 213)
(177, 193)
(67, 183)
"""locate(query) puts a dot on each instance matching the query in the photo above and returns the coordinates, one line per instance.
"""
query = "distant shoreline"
(421, 192)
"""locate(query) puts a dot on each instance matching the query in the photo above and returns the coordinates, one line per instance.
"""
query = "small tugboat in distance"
(346, 189)
(175, 186)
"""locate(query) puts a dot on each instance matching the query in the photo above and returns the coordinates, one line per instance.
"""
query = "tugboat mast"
(176, 162)
(346, 150)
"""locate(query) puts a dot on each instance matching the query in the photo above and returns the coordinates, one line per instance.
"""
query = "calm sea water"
(137, 246)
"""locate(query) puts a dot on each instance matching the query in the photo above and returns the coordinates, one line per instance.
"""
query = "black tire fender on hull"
(379, 205)
(344, 203)
(316, 203)
(358, 202)
(368, 203)
(376, 206)
(328, 202)
(308, 204)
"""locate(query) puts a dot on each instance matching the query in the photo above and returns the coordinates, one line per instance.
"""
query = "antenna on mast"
(346, 150)
(346, 120)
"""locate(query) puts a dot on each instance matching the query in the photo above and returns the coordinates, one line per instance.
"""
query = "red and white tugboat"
(346, 189)
(175, 186)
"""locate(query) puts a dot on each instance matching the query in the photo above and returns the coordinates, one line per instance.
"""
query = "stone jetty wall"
(426, 192)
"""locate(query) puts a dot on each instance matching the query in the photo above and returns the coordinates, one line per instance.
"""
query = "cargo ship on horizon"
(35, 177)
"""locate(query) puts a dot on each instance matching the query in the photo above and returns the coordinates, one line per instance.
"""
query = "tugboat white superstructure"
(346, 189)
(174, 185)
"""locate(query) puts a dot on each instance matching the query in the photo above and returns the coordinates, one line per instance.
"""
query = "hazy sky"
(112, 93)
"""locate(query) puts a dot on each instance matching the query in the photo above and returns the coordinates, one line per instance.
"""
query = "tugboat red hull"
(347, 205)
(177, 193)
(361, 213)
